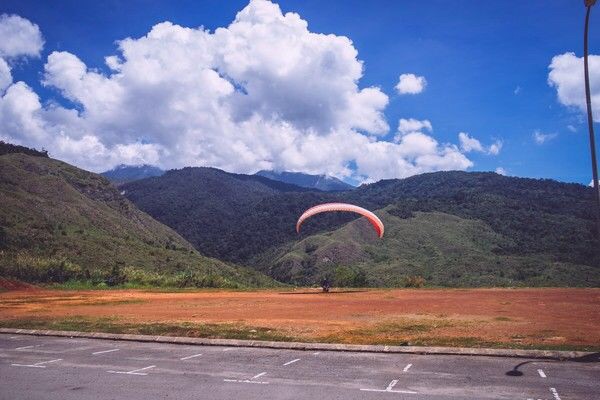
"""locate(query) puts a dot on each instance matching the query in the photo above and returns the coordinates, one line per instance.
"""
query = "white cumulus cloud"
(415, 151)
(413, 125)
(566, 76)
(469, 144)
(261, 93)
(5, 75)
(20, 37)
(411, 84)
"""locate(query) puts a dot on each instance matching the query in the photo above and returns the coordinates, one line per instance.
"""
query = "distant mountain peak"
(126, 173)
(325, 183)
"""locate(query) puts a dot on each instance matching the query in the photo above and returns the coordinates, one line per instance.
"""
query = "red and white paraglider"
(328, 207)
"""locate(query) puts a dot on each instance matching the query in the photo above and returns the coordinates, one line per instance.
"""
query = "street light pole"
(589, 4)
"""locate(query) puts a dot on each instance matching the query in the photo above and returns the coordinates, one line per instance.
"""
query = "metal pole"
(589, 4)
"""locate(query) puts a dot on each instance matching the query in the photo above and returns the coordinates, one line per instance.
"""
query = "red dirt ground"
(515, 316)
(11, 284)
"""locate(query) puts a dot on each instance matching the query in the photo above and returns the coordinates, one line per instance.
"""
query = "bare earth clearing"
(542, 318)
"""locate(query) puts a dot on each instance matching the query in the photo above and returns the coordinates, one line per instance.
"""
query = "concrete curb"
(540, 354)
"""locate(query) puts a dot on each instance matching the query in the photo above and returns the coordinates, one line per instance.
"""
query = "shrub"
(116, 276)
(415, 281)
(347, 277)
(39, 269)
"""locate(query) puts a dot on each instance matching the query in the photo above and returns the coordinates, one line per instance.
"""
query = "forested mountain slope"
(233, 217)
(58, 222)
(430, 248)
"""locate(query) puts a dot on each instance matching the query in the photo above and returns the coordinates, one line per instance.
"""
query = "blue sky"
(486, 65)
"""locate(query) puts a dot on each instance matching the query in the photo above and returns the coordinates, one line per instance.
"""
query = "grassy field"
(506, 318)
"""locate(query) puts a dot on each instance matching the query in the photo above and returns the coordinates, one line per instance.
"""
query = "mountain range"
(450, 228)
(206, 227)
(325, 183)
(127, 173)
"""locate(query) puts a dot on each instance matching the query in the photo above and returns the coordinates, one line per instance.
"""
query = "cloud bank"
(261, 93)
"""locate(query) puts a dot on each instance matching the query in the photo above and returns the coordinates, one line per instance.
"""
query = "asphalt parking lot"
(34, 367)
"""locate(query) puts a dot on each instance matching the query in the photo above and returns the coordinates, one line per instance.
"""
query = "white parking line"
(555, 393)
(251, 380)
(291, 362)
(390, 389)
(259, 375)
(134, 372)
(27, 347)
(316, 353)
(407, 368)
(104, 351)
(392, 384)
(37, 365)
(188, 357)
(542, 374)
(228, 349)
(246, 381)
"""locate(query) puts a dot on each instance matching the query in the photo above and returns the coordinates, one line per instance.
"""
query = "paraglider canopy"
(328, 207)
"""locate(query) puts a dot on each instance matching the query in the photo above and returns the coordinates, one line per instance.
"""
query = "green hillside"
(511, 231)
(538, 215)
(428, 248)
(227, 216)
(60, 223)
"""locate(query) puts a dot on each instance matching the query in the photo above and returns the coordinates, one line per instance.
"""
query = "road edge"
(465, 351)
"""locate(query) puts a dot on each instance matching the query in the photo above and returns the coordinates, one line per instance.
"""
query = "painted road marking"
(228, 349)
(27, 347)
(542, 374)
(188, 357)
(37, 365)
(259, 375)
(392, 384)
(291, 362)
(407, 368)
(245, 381)
(316, 353)
(251, 380)
(390, 389)
(104, 351)
(554, 393)
(134, 372)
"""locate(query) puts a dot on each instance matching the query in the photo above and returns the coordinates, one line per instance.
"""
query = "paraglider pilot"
(326, 285)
